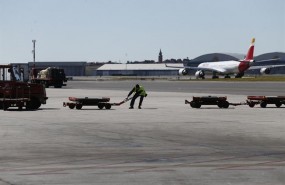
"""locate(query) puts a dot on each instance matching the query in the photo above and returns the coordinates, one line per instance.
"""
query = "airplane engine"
(182, 72)
(200, 74)
(265, 70)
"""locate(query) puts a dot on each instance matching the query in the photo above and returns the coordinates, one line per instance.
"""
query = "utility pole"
(34, 52)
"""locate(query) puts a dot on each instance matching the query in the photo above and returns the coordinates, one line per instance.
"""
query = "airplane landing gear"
(239, 75)
(215, 76)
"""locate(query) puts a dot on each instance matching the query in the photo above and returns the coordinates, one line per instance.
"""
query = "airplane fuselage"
(226, 67)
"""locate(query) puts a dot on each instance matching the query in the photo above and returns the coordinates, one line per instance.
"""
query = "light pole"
(34, 52)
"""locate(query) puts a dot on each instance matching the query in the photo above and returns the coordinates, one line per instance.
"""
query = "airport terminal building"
(154, 69)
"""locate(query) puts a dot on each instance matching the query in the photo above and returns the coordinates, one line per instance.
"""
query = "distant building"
(91, 67)
(160, 57)
(155, 69)
(70, 68)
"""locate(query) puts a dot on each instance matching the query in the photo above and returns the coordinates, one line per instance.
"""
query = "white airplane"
(228, 68)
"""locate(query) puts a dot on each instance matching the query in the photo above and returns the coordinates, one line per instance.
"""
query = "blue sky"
(129, 30)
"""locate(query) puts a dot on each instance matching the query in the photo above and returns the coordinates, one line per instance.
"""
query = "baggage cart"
(265, 100)
(197, 102)
(103, 102)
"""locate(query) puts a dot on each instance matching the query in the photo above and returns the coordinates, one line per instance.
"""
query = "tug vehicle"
(50, 76)
(16, 93)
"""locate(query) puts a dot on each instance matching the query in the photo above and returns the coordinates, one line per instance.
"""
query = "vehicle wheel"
(33, 104)
(194, 104)
(78, 106)
(263, 104)
(5, 106)
(198, 105)
(108, 106)
(226, 104)
(100, 106)
(71, 106)
(251, 104)
(220, 104)
(278, 104)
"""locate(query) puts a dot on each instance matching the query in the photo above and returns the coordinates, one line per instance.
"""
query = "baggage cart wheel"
(71, 106)
(223, 104)
(226, 104)
(194, 104)
(33, 104)
(108, 106)
(6, 106)
(251, 104)
(198, 105)
(78, 106)
(100, 106)
(220, 104)
(278, 104)
(263, 104)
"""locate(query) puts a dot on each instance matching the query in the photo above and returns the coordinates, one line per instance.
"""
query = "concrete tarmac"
(166, 142)
(208, 87)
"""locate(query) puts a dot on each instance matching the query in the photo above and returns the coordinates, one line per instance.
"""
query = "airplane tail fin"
(249, 55)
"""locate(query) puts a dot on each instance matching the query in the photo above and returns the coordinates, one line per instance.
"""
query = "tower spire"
(160, 57)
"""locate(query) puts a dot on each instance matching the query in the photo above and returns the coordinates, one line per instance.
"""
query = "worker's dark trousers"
(134, 99)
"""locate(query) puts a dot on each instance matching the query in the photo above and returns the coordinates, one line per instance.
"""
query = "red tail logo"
(245, 63)
(249, 55)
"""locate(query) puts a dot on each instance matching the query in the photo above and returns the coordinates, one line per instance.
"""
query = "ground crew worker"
(139, 91)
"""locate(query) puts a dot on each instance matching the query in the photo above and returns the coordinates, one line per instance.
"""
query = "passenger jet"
(228, 68)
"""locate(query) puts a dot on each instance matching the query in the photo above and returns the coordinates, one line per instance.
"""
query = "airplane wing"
(212, 69)
(178, 67)
(267, 60)
(265, 66)
(218, 70)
